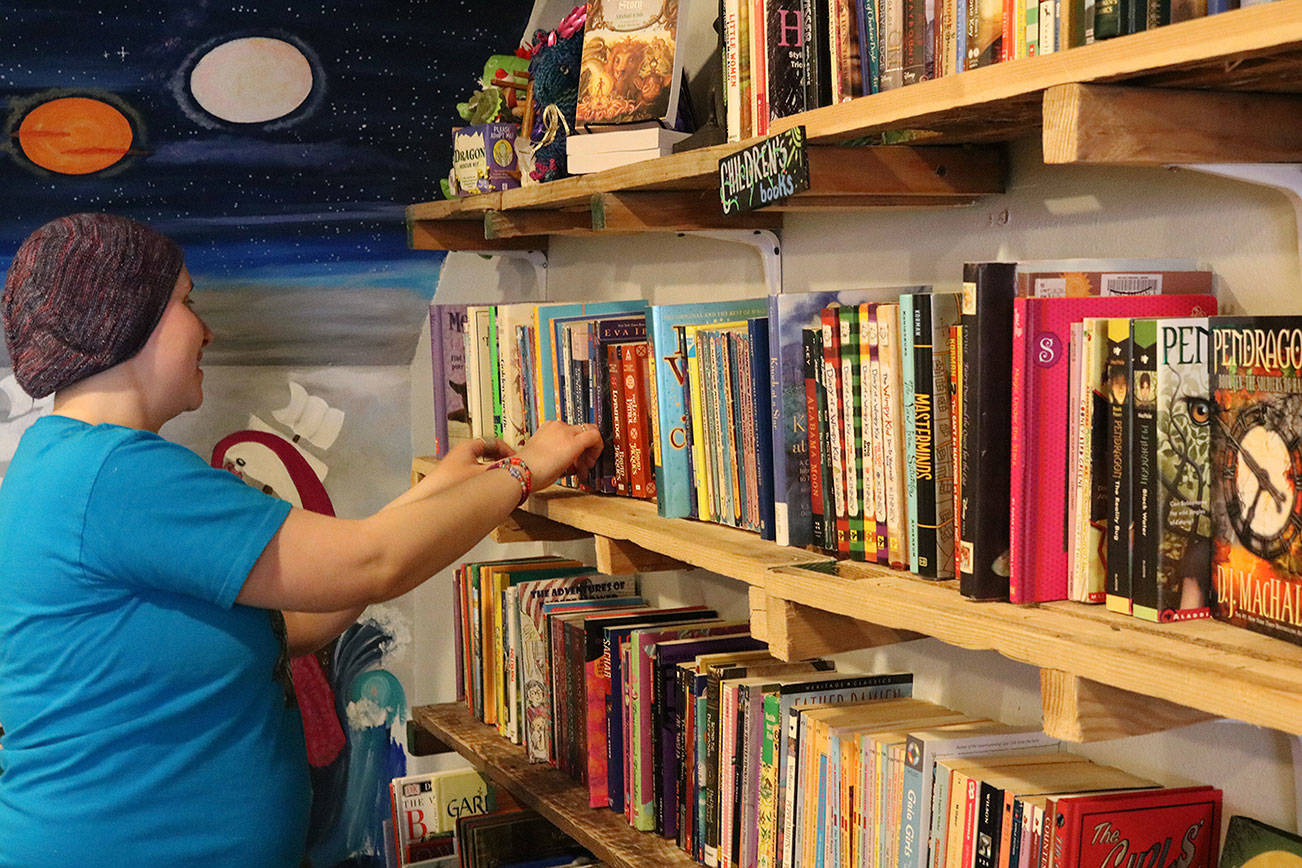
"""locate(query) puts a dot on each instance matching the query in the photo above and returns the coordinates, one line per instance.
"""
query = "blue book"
(910, 432)
(788, 314)
(726, 450)
(821, 837)
(673, 476)
(547, 357)
(759, 386)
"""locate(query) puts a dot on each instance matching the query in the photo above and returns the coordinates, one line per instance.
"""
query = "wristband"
(518, 469)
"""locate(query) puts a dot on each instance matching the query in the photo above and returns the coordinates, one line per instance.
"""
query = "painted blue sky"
(313, 198)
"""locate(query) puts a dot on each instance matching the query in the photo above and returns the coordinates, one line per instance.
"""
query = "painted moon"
(251, 80)
(75, 135)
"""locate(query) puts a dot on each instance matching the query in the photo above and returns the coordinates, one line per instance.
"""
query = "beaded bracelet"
(517, 468)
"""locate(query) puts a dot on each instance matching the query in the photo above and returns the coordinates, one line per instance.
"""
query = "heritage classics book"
(1256, 379)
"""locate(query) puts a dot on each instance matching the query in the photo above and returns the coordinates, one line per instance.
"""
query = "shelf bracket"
(1080, 710)
(619, 557)
(1284, 177)
(795, 632)
(764, 242)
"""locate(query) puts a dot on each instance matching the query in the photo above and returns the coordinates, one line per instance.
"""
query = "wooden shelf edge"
(546, 790)
(1080, 710)
(1204, 665)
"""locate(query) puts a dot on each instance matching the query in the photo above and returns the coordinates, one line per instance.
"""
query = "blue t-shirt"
(146, 715)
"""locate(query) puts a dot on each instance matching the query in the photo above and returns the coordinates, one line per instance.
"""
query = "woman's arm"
(320, 564)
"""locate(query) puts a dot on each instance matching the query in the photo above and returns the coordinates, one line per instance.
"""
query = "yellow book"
(699, 462)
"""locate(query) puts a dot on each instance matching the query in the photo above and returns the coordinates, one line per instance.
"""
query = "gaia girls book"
(1041, 330)
(1256, 467)
(788, 315)
(1178, 545)
(673, 468)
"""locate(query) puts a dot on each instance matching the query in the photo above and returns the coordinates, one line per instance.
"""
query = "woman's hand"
(557, 449)
(463, 461)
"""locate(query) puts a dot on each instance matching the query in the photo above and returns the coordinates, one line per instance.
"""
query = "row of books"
(782, 57)
(458, 819)
(686, 725)
(930, 431)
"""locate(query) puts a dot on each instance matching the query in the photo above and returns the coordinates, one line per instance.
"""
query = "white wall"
(1246, 234)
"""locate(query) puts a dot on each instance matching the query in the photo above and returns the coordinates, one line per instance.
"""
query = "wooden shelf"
(1257, 50)
(546, 790)
(1204, 665)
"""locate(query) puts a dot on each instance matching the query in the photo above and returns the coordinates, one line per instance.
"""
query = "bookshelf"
(1218, 89)
(544, 789)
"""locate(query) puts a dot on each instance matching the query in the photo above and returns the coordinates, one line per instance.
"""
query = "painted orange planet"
(75, 135)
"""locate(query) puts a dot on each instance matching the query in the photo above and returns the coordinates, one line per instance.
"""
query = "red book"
(618, 426)
(1038, 484)
(1178, 826)
(810, 346)
(635, 419)
(648, 409)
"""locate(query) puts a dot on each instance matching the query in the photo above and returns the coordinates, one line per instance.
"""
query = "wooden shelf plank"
(904, 171)
(619, 557)
(465, 235)
(797, 632)
(722, 550)
(1204, 665)
(524, 526)
(546, 790)
(1080, 710)
(1136, 126)
(517, 224)
(672, 211)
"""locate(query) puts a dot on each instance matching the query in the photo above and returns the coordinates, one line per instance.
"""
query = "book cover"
(631, 65)
(933, 315)
(836, 410)
(819, 465)
(908, 371)
(511, 373)
(1256, 460)
(1248, 840)
(548, 361)
(857, 498)
(1176, 824)
(786, 63)
(1183, 482)
(1041, 328)
(673, 473)
(761, 370)
(888, 356)
(426, 806)
(448, 328)
(875, 454)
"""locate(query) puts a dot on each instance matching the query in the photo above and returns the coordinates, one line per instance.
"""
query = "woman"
(144, 692)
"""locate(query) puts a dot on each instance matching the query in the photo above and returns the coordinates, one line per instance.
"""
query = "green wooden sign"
(764, 173)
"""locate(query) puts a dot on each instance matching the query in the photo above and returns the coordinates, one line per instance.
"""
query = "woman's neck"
(105, 398)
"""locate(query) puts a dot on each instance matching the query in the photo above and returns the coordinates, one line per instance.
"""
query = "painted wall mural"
(278, 143)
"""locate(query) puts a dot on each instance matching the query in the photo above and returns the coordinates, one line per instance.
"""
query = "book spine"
(914, 45)
(732, 48)
(1118, 548)
(495, 366)
(785, 62)
(888, 356)
(1107, 18)
(852, 420)
(1021, 588)
(955, 456)
(867, 466)
(925, 412)
(619, 430)
(910, 513)
(634, 364)
(986, 436)
(812, 343)
(836, 431)
(695, 400)
(759, 70)
(944, 313)
(988, 820)
(1145, 484)
(879, 458)
(767, 810)
(761, 372)
(746, 85)
(710, 820)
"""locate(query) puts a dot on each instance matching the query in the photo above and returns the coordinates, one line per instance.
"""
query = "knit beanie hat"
(84, 293)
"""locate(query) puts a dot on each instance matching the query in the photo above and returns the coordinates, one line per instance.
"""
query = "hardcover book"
(1252, 841)
(426, 807)
(1041, 329)
(1184, 822)
(447, 330)
(632, 64)
(1256, 465)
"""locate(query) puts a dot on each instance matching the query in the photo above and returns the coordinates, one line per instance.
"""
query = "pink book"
(1038, 567)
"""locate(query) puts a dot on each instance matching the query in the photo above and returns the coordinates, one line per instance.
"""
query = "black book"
(1118, 540)
(785, 32)
(990, 819)
(987, 319)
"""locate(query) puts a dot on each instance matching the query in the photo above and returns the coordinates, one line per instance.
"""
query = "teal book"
(910, 433)
(672, 465)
